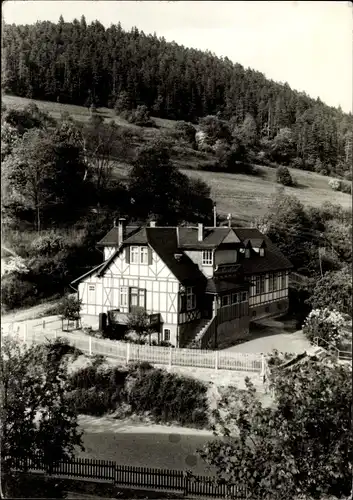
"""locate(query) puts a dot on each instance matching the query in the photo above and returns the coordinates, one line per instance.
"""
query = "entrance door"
(208, 303)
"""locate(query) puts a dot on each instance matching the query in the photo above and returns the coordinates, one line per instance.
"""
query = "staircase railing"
(328, 346)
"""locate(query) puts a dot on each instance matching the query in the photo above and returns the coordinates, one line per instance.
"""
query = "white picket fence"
(126, 352)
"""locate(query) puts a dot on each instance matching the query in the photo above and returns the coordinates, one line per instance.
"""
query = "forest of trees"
(83, 64)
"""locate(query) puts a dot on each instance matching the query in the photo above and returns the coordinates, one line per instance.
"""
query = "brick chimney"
(200, 232)
(121, 230)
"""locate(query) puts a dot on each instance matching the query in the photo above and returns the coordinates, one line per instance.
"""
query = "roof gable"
(231, 237)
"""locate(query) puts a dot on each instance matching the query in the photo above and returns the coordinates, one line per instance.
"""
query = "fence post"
(25, 333)
(216, 361)
(43, 324)
(90, 346)
(170, 357)
(55, 334)
(262, 365)
(127, 352)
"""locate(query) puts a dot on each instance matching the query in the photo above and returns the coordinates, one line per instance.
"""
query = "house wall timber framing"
(273, 300)
(108, 252)
(111, 291)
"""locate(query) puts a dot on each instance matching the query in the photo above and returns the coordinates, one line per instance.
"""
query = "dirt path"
(31, 313)
(129, 425)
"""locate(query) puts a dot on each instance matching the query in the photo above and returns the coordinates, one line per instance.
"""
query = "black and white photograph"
(176, 250)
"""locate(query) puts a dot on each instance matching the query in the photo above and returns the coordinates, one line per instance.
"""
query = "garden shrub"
(17, 292)
(90, 401)
(334, 184)
(283, 176)
(346, 188)
(168, 397)
(89, 377)
(326, 324)
(47, 244)
(165, 396)
(60, 347)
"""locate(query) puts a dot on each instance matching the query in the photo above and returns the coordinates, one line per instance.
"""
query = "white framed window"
(225, 300)
(134, 255)
(123, 296)
(207, 258)
(166, 335)
(247, 253)
(190, 298)
(144, 255)
(262, 252)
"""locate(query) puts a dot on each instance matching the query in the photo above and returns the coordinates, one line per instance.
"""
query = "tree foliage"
(301, 445)
(334, 290)
(138, 322)
(159, 189)
(129, 68)
(286, 224)
(43, 174)
(36, 420)
(283, 176)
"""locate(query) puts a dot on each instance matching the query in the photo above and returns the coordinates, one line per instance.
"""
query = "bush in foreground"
(165, 396)
(326, 324)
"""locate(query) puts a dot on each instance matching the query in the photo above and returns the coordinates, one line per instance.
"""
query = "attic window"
(247, 253)
(262, 252)
(207, 258)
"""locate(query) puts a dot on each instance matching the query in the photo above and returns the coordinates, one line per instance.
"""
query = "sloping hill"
(245, 196)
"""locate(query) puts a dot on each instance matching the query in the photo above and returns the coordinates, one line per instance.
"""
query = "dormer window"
(144, 255)
(207, 258)
(134, 255)
(247, 253)
(138, 255)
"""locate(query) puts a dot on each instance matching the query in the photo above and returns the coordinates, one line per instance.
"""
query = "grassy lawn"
(246, 197)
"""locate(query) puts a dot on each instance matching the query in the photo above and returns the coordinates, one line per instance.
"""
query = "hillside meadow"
(246, 197)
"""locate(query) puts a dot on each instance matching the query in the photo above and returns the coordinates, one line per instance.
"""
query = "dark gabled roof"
(112, 237)
(212, 237)
(137, 238)
(255, 242)
(273, 260)
(164, 243)
(168, 242)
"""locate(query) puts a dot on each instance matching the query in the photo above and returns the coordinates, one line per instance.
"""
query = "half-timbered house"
(203, 284)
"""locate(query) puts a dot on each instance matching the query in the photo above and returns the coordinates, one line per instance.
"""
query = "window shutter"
(127, 255)
(149, 256)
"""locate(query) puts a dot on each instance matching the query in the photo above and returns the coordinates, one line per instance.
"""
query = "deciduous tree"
(300, 445)
(37, 423)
